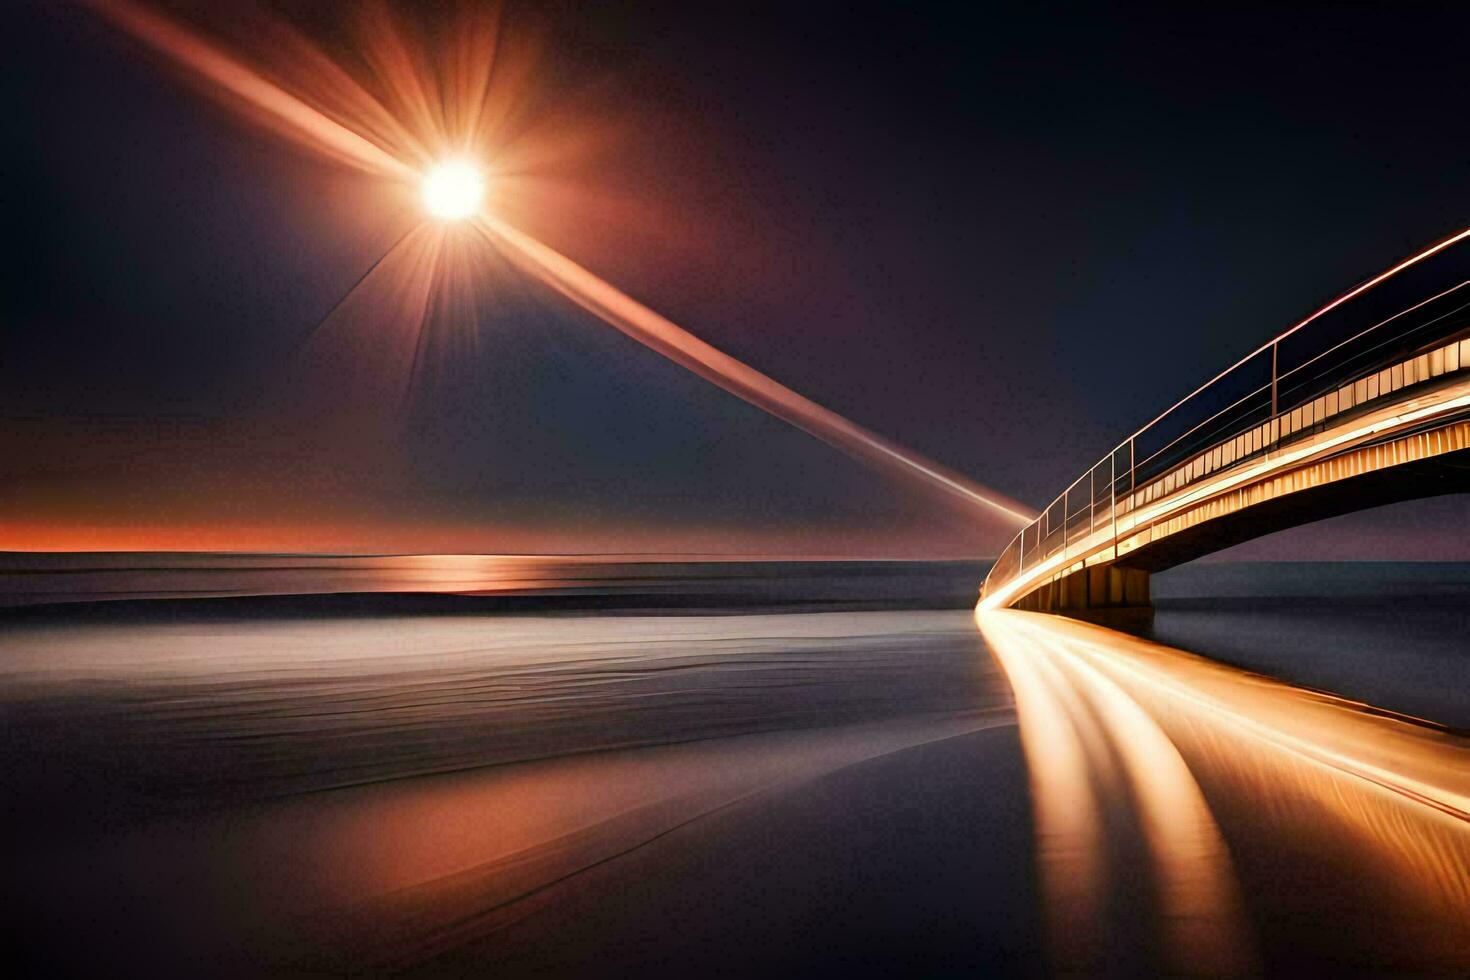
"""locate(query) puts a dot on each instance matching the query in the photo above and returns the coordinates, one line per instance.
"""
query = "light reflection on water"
(178, 773)
(1111, 724)
(1090, 747)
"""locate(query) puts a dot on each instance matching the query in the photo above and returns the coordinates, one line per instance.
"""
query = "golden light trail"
(1391, 793)
(1200, 903)
(1066, 810)
(417, 112)
(1079, 731)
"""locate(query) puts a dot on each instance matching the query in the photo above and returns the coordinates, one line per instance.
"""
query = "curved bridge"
(1365, 402)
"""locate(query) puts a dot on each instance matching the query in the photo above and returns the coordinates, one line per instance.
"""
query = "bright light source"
(453, 190)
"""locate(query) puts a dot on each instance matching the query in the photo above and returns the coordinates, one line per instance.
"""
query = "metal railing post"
(1066, 512)
(1113, 497)
(1132, 482)
(1091, 500)
(1273, 380)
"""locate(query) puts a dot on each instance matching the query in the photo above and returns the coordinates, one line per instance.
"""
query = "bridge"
(1363, 403)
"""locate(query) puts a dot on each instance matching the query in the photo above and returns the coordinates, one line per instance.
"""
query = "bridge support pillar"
(1111, 595)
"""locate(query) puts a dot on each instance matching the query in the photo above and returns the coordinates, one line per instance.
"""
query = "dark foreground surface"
(277, 785)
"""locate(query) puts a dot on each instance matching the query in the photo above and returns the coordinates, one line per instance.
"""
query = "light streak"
(1079, 730)
(1200, 900)
(1434, 779)
(662, 335)
(1066, 809)
(420, 117)
(286, 112)
(394, 301)
(1300, 765)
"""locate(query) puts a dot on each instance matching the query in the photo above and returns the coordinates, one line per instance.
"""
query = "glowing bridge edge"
(1355, 291)
(992, 602)
(1199, 493)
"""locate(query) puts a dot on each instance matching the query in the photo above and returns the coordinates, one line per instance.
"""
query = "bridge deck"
(1412, 410)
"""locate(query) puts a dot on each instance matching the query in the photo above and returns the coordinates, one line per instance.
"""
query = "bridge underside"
(1112, 584)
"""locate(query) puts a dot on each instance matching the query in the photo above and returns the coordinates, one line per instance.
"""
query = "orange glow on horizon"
(650, 542)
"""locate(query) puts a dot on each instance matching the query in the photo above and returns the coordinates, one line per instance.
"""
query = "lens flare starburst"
(393, 108)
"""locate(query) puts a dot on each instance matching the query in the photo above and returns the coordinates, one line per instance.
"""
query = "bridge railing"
(1400, 328)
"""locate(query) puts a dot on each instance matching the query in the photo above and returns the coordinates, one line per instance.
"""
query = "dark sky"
(1002, 235)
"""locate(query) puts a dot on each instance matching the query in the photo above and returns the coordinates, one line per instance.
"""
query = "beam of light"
(283, 111)
(392, 302)
(662, 335)
(419, 116)
(386, 257)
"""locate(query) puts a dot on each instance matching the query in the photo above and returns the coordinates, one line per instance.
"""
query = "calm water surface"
(717, 768)
(1392, 634)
